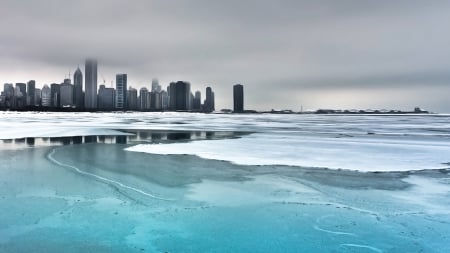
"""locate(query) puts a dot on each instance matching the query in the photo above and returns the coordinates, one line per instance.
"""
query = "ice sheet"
(342, 153)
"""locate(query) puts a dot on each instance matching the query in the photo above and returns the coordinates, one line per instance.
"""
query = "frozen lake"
(179, 182)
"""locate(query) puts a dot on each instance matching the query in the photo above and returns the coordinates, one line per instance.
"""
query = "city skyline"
(289, 54)
(69, 96)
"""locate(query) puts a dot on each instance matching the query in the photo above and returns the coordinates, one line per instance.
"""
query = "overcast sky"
(287, 54)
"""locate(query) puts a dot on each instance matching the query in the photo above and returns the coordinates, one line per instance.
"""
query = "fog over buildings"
(315, 54)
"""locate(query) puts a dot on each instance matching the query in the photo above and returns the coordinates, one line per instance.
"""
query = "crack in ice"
(51, 158)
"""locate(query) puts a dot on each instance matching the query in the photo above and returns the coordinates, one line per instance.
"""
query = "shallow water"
(95, 196)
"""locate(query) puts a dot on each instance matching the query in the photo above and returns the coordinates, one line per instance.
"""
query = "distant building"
(209, 101)
(179, 96)
(37, 97)
(55, 95)
(155, 85)
(132, 100)
(8, 93)
(164, 100)
(106, 98)
(78, 97)
(31, 86)
(121, 91)
(197, 103)
(90, 82)
(144, 104)
(20, 95)
(66, 94)
(46, 96)
(238, 98)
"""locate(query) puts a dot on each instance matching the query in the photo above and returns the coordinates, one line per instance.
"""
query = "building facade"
(121, 91)
(238, 98)
(90, 82)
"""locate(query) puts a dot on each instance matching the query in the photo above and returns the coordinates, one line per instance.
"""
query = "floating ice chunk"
(335, 153)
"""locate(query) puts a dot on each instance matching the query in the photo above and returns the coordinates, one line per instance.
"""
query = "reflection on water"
(129, 137)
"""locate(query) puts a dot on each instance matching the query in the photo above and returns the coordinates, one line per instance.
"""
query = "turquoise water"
(97, 197)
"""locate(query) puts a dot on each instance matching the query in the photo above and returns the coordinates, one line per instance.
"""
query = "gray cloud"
(282, 51)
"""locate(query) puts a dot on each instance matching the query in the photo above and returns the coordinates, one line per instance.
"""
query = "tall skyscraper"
(8, 92)
(121, 91)
(209, 101)
(46, 96)
(164, 100)
(20, 95)
(90, 82)
(179, 96)
(78, 89)
(197, 103)
(132, 101)
(238, 98)
(105, 98)
(55, 95)
(155, 85)
(66, 94)
(143, 99)
(31, 86)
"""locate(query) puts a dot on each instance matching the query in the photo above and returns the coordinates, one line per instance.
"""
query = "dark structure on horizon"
(121, 91)
(90, 82)
(238, 98)
(78, 89)
(179, 96)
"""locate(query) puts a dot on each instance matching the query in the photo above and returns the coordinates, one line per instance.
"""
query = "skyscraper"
(121, 91)
(105, 98)
(66, 94)
(20, 95)
(132, 101)
(46, 96)
(90, 81)
(8, 92)
(155, 85)
(238, 98)
(31, 86)
(55, 95)
(197, 103)
(209, 101)
(78, 89)
(179, 96)
(143, 99)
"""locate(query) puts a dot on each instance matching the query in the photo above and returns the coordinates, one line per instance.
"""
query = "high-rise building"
(78, 97)
(132, 101)
(121, 91)
(209, 101)
(180, 94)
(37, 97)
(144, 104)
(155, 85)
(106, 99)
(55, 95)
(8, 92)
(46, 96)
(66, 94)
(31, 86)
(197, 103)
(20, 95)
(164, 100)
(238, 98)
(90, 82)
